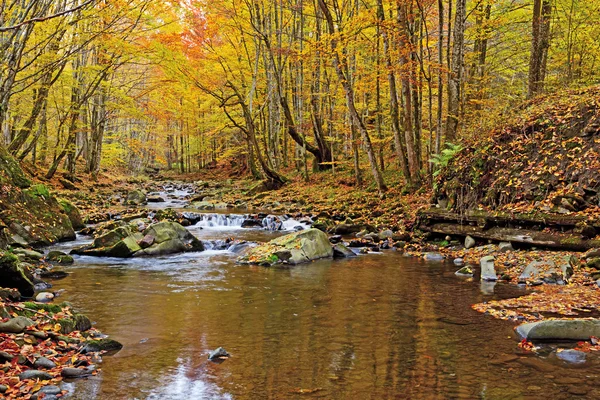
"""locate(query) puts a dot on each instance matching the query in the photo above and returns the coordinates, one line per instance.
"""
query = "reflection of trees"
(371, 326)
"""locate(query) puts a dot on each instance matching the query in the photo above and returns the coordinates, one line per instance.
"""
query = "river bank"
(223, 216)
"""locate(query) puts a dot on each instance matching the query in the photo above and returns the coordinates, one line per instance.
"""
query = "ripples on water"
(373, 327)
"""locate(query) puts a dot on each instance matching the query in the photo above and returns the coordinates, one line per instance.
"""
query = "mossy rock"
(12, 275)
(136, 198)
(92, 346)
(39, 190)
(593, 263)
(10, 171)
(73, 213)
(294, 248)
(78, 322)
(59, 257)
(49, 308)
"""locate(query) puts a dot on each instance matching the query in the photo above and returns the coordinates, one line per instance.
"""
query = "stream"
(376, 326)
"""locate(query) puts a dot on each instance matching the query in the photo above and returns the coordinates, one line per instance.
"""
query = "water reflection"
(379, 326)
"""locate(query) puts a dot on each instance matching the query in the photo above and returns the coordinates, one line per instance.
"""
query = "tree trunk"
(456, 75)
(542, 10)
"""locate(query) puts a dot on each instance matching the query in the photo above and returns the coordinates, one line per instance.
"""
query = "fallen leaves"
(20, 351)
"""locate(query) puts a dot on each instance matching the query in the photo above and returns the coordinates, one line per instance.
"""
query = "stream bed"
(371, 327)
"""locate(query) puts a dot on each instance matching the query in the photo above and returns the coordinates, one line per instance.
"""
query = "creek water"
(372, 327)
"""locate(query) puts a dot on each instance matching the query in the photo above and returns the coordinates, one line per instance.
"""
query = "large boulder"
(13, 276)
(560, 329)
(162, 238)
(73, 213)
(295, 248)
(170, 237)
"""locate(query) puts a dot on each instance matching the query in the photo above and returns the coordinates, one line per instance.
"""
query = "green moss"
(66, 205)
(10, 171)
(49, 308)
(39, 190)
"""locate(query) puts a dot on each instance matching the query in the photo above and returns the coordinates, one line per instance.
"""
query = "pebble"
(76, 372)
(44, 363)
(44, 297)
(572, 356)
(35, 374)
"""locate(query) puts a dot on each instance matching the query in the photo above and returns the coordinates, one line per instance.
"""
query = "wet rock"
(469, 242)
(35, 374)
(272, 223)
(54, 274)
(26, 254)
(59, 257)
(341, 251)
(78, 322)
(335, 239)
(459, 262)
(488, 272)
(560, 329)
(48, 391)
(44, 363)
(193, 217)
(136, 198)
(146, 241)
(252, 223)
(3, 388)
(44, 297)
(504, 247)
(122, 242)
(572, 356)
(240, 247)
(73, 373)
(15, 325)
(464, 271)
(433, 256)
(304, 246)
(92, 346)
(218, 353)
(155, 199)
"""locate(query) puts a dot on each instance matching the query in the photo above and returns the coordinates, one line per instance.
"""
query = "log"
(500, 218)
(550, 240)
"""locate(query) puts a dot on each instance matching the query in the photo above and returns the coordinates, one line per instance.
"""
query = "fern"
(442, 159)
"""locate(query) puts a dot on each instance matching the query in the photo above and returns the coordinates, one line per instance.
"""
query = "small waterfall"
(271, 223)
(221, 220)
